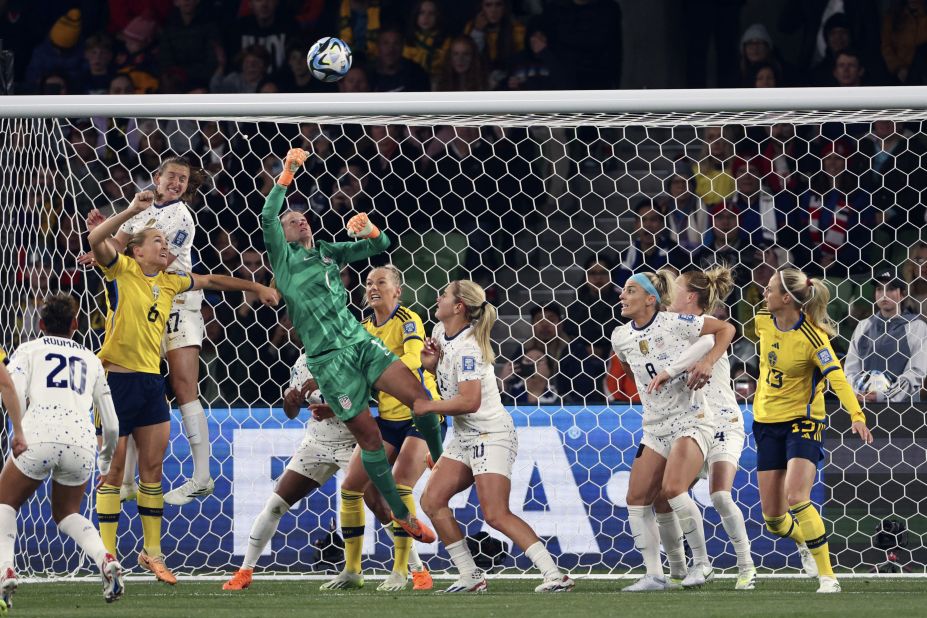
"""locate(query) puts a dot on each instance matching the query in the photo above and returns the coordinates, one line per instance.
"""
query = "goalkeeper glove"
(294, 160)
(359, 226)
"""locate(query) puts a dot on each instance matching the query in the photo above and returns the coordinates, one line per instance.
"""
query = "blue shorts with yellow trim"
(777, 443)
(396, 432)
(139, 399)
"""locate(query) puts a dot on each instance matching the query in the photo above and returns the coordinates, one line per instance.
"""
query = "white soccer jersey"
(648, 351)
(461, 361)
(58, 382)
(176, 222)
(328, 430)
(719, 393)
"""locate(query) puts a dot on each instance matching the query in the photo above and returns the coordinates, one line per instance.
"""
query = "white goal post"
(531, 194)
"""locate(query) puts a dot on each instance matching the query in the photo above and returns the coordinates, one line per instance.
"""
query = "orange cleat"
(156, 565)
(421, 580)
(240, 580)
(416, 529)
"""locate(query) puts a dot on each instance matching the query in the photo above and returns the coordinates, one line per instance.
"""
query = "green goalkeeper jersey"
(310, 281)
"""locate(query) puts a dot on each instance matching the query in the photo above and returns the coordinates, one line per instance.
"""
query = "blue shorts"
(777, 443)
(396, 432)
(139, 399)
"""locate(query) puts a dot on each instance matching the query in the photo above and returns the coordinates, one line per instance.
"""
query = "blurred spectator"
(282, 353)
(837, 37)
(60, 51)
(549, 337)
(714, 180)
(392, 72)
(758, 215)
(37, 279)
(463, 70)
(726, 242)
(892, 342)
(893, 173)
(84, 166)
(427, 43)
(121, 84)
(904, 29)
(756, 50)
(55, 83)
(777, 160)
(848, 69)
(685, 213)
(498, 36)
(706, 22)
(252, 72)
(915, 275)
(536, 68)
(98, 66)
(295, 76)
(359, 22)
(763, 75)
(188, 44)
(652, 246)
(532, 383)
(122, 12)
(586, 35)
(355, 81)
(138, 56)
(268, 26)
(394, 184)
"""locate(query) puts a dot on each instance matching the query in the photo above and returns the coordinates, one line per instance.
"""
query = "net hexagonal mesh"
(550, 213)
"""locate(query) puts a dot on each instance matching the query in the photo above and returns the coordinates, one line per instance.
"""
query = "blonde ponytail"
(812, 297)
(711, 286)
(480, 313)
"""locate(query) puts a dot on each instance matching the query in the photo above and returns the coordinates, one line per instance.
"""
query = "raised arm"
(224, 283)
(371, 241)
(274, 238)
(99, 237)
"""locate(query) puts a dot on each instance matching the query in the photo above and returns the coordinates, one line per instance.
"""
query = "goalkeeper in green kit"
(346, 361)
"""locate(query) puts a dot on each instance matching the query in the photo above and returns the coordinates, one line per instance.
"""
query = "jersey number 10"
(76, 379)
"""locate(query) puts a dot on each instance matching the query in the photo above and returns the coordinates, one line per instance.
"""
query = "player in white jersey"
(58, 382)
(484, 445)
(698, 292)
(176, 182)
(677, 426)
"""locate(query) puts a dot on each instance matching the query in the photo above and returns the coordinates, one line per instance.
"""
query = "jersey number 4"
(76, 379)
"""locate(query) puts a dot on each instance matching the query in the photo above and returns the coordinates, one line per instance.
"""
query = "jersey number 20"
(76, 379)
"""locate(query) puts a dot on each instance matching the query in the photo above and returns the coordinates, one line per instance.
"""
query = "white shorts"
(662, 445)
(319, 461)
(67, 464)
(726, 445)
(485, 453)
(185, 328)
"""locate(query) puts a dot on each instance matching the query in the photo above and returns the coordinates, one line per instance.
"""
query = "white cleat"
(699, 575)
(746, 579)
(113, 585)
(188, 491)
(561, 583)
(674, 583)
(128, 492)
(474, 582)
(807, 561)
(8, 584)
(344, 581)
(829, 585)
(647, 583)
(396, 582)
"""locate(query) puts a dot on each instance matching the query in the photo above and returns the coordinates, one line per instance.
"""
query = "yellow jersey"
(793, 365)
(3, 356)
(137, 309)
(404, 335)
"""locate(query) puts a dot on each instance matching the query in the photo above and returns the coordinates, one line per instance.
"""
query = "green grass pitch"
(787, 598)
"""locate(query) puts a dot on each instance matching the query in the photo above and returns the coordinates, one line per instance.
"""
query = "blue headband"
(642, 280)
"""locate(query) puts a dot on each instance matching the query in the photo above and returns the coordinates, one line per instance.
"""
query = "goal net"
(549, 203)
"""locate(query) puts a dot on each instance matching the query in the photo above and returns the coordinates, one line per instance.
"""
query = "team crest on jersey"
(687, 317)
(468, 363)
(155, 292)
(408, 328)
(179, 237)
(644, 347)
(658, 342)
(772, 359)
(825, 357)
(345, 402)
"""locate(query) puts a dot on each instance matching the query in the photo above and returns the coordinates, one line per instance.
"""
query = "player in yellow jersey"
(788, 411)
(139, 295)
(401, 330)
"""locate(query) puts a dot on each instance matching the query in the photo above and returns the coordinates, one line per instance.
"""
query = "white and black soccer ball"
(872, 382)
(329, 59)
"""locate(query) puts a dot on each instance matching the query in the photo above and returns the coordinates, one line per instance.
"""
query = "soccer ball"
(872, 382)
(329, 59)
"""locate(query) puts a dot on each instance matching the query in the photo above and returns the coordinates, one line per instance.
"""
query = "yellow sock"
(151, 510)
(812, 526)
(401, 538)
(108, 509)
(352, 528)
(784, 526)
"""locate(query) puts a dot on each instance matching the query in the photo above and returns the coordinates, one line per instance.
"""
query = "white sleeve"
(132, 225)
(468, 365)
(299, 373)
(617, 343)
(685, 326)
(110, 422)
(853, 364)
(911, 381)
(20, 369)
(691, 355)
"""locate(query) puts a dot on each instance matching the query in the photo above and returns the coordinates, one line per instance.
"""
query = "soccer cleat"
(562, 583)
(674, 583)
(240, 580)
(344, 581)
(746, 579)
(416, 529)
(113, 585)
(188, 491)
(421, 580)
(699, 575)
(474, 582)
(128, 492)
(647, 583)
(8, 584)
(156, 565)
(807, 560)
(829, 585)
(396, 582)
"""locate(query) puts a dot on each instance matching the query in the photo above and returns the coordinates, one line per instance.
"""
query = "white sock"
(642, 523)
(542, 559)
(733, 520)
(7, 533)
(263, 529)
(690, 519)
(131, 465)
(85, 535)
(671, 538)
(462, 559)
(197, 430)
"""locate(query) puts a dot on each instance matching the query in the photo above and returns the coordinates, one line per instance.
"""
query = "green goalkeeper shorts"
(346, 376)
